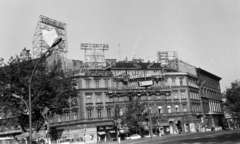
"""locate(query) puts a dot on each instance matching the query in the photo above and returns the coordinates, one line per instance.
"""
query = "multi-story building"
(187, 99)
(211, 98)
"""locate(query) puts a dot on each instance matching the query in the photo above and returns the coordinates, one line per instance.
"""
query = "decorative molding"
(88, 93)
(160, 103)
(99, 107)
(89, 107)
(99, 103)
(98, 93)
(89, 104)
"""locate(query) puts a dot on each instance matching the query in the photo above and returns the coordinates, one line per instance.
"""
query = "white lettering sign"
(145, 83)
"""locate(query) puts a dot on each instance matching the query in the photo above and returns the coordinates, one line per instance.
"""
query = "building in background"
(187, 98)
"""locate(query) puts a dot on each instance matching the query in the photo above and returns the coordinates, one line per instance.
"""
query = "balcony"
(79, 121)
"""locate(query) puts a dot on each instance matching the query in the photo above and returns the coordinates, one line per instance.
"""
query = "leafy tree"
(232, 104)
(134, 115)
(50, 89)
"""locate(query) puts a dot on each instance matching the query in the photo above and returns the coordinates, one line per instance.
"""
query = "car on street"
(134, 136)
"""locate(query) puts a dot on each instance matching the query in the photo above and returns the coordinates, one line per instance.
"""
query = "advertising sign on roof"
(94, 46)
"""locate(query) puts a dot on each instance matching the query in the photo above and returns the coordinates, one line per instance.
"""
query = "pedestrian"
(168, 131)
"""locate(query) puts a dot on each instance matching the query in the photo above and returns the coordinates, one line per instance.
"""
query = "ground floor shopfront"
(90, 132)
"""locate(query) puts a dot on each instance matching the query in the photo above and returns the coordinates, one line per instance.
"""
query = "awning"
(101, 133)
(112, 131)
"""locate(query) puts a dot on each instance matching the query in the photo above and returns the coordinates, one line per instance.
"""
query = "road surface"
(215, 137)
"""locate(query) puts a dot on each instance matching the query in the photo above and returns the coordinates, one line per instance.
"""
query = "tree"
(134, 115)
(232, 104)
(50, 89)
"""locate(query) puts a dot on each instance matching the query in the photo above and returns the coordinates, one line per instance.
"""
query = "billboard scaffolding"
(40, 46)
(94, 55)
(168, 59)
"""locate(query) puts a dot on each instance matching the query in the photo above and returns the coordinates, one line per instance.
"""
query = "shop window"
(169, 109)
(106, 83)
(87, 84)
(108, 112)
(97, 84)
(75, 115)
(89, 98)
(159, 109)
(99, 112)
(89, 111)
(176, 108)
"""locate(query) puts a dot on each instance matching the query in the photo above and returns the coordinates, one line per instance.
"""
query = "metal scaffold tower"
(39, 45)
(94, 55)
(168, 59)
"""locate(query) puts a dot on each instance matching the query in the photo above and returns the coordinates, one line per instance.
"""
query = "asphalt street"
(215, 137)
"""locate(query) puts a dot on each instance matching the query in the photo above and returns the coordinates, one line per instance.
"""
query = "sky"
(205, 33)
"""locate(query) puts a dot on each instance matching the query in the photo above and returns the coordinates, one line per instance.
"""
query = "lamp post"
(19, 97)
(56, 42)
(144, 68)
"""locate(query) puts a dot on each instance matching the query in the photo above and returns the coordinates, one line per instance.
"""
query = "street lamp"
(56, 42)
(19, 97)
(144, 68)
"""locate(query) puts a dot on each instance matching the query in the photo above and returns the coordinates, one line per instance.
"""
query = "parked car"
(134, 136)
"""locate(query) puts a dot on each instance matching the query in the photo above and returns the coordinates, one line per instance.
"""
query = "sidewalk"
(149, 139)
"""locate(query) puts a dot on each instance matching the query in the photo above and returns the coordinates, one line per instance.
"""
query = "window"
(120, 99)
(117, 84)
(98, 98)
(150, 110)
(176, 108)
(99, 112)
(109, 112)
(159, 109)
(120, 112)
(175, 96)
(59, 118)
(173, 82)
(183, 96)
(106, 83)
(67, 117)
(184, 108)
(89, 99)
(181, 82)
(74, 101)
(169, 109)
(97, 84)
(74, 115)
(166, 81)
(89, 111)
(87, 84)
